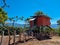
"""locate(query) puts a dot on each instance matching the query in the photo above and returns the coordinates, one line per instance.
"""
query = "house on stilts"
(41, 22)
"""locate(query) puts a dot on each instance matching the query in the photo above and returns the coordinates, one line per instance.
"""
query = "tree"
(15, 19)
(10, 19)
(38, 13)
(4, 4)
(28, 19)
(3, 18)
(21, 18)
(14, 31)
(58, 21)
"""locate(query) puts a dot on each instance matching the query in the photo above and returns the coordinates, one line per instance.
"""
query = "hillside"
(22, 25)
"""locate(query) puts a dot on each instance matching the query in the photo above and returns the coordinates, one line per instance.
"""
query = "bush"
(58, 30)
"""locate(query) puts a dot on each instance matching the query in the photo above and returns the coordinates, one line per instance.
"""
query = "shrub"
(57, 30)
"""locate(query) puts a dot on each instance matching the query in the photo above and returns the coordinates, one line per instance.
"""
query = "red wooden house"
(40, 20)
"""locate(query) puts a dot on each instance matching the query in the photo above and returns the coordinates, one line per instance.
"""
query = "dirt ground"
(55, 40)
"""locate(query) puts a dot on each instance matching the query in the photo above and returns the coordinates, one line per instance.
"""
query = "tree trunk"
(14, 37)
(24, 37)
(9, 36)
(2, 37)
(19, 36)
(2, 34)
(28, 34)
(13, 24)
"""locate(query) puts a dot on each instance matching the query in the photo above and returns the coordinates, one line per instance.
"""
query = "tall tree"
(21, 18)
(15, 19)
(3, 18)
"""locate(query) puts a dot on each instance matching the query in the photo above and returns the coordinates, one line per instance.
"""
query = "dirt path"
(54, 41)
(5, 40)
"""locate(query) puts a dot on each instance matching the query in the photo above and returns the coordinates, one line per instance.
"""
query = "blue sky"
(27, 8)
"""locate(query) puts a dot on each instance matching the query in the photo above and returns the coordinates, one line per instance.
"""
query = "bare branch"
(5, 5)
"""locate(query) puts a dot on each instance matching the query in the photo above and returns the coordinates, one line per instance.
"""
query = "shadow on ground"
(39, 38)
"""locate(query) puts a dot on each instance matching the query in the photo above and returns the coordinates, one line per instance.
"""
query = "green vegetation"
(58, 22)
(3, 16)
(39, 13)
(11, 30)
(57, 30)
